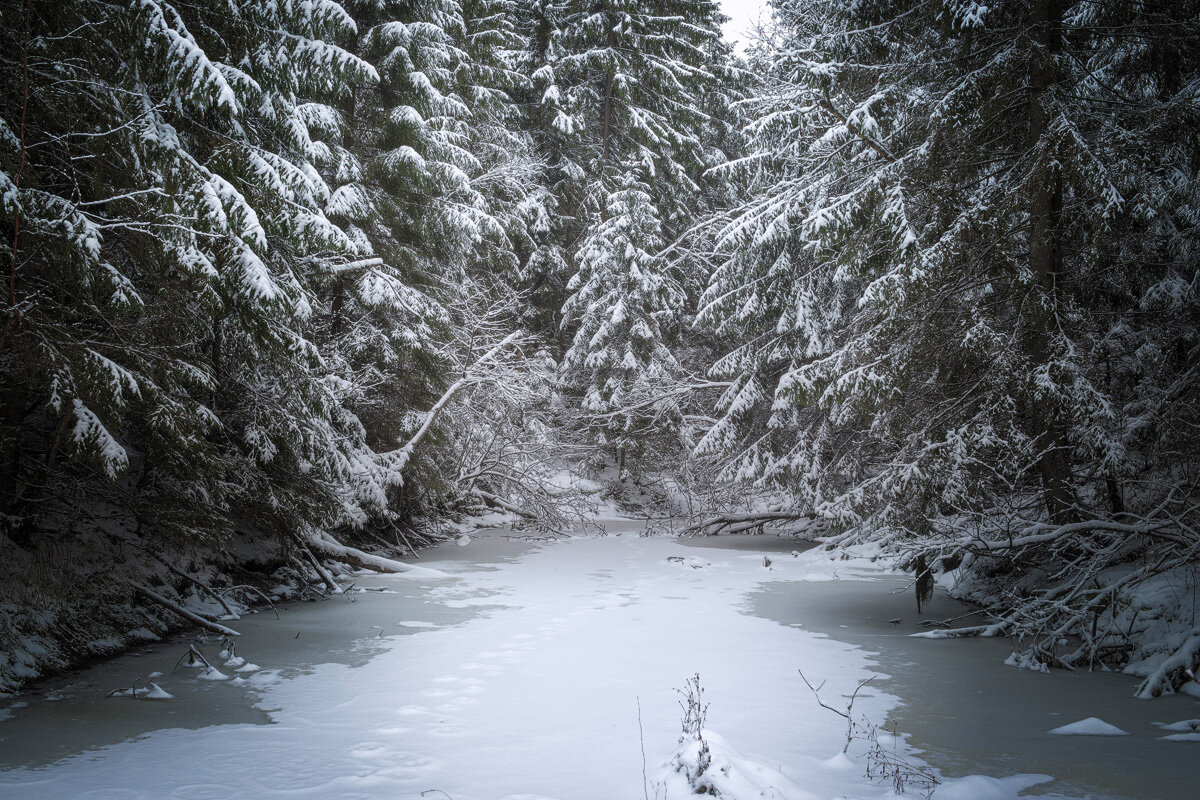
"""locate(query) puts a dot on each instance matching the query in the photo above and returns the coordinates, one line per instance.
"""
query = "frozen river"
(522, 675)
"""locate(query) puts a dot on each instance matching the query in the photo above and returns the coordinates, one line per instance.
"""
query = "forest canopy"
(918, 275)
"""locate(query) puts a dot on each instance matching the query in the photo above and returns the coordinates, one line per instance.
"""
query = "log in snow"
(500, 502)
(363, 560)
(323, 573)
(179, 610)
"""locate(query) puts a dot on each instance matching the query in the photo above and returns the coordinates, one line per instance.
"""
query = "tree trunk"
(10, 459)
(1045, 261)
(218, 373)
(606, 115)
(335, 307)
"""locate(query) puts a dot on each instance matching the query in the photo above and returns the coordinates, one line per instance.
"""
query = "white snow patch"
(268, 677)
(1092, 726)
(1187, 725)
(156, 692)
(151, 692)
(729, 774)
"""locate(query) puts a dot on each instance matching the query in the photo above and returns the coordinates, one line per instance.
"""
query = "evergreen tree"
(429, 175)
(628, 305)
(556, 212)
(623, 97)
(941, 288)
(156, 207)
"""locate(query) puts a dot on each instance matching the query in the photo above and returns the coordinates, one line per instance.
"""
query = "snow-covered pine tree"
(167, 217)
(630, 76)
(623, 97)
(438, 176)
(614, 88)
(943, 290)
(555, 213)
(627, 303)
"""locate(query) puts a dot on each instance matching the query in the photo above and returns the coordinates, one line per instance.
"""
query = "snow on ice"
(558, 687)
(1092, 726)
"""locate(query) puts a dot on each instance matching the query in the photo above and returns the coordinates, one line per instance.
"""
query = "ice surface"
(979, 787)
(1092, 726)
(551, 689)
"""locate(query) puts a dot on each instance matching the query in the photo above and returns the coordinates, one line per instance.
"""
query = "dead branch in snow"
(248, 588)
(848, 714)
(180, 611)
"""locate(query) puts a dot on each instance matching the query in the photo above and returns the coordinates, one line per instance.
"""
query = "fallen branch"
(179, 610)
(257, 591)
(326, 577)
(399, 458)
(362, 560)
(983, 631)
(1182, 660)
(739, 523)
(1045, 533)
(194, 581)
(500, 502)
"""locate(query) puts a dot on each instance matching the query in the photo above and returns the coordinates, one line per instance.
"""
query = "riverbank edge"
(72, 604)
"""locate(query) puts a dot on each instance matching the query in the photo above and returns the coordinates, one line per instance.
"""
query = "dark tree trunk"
(337, 304)
(10, 439)
(606, 114)
(1045, 261)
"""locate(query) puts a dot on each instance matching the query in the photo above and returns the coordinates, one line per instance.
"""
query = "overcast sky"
(743, 14)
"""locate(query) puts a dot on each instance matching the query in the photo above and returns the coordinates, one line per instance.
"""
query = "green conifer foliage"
(941, 293)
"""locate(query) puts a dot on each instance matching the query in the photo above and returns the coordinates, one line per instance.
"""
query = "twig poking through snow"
(847, 714)
(642, 739)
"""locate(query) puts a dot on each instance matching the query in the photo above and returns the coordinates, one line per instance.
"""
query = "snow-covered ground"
(556, 682)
